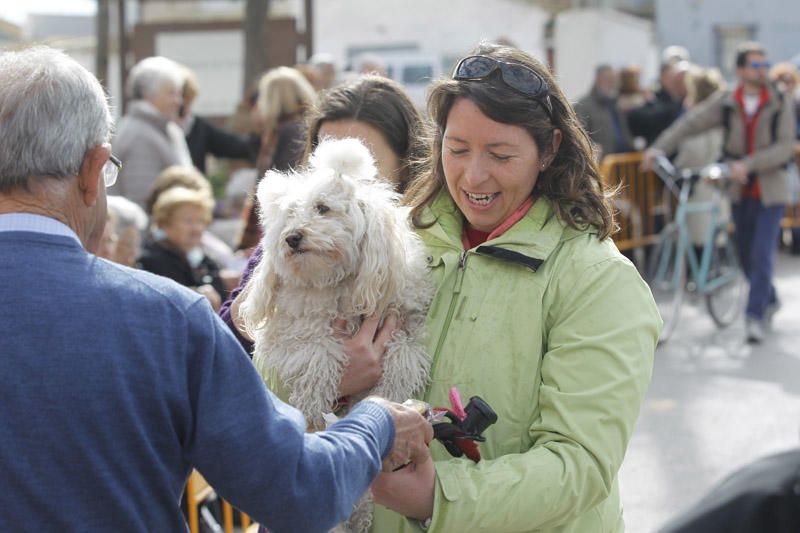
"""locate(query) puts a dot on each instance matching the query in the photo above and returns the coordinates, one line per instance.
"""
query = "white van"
(415, 73)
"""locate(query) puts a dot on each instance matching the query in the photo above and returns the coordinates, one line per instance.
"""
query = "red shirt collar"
(763, 97)
(471, 238)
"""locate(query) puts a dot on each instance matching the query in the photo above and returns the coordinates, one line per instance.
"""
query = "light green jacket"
(556, 331)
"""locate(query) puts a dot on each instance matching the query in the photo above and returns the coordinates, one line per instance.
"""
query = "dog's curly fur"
(336, 244)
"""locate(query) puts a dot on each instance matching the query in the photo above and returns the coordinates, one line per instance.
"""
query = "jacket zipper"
(462, 260)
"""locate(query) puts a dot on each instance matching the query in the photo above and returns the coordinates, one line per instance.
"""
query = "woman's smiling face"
(490, 167)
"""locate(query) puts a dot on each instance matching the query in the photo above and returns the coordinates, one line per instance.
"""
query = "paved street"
(715, 404)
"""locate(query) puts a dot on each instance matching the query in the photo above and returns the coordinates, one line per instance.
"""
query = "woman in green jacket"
(536, 312)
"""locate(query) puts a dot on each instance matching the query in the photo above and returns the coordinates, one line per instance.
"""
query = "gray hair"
(128, 213)
(148, 75)
(52, 110)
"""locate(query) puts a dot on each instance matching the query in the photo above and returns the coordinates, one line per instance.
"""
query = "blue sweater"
(116, 382)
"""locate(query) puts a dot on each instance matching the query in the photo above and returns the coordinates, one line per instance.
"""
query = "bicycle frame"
(699, 268)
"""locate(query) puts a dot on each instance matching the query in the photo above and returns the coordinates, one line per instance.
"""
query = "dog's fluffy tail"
(345, 157)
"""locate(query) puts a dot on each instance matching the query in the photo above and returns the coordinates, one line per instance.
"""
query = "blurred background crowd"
(203, 112)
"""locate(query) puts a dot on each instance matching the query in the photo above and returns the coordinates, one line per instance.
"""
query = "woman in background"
(148, 139)
(181, 216)
(284, 98)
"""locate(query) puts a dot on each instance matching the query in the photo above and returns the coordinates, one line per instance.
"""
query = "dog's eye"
(322, 209)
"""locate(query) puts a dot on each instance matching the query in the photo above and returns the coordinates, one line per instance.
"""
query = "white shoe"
(769, 312)
(755, 330)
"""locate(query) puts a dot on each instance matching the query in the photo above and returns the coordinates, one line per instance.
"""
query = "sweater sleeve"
(705, 116)
(253, 449)
(601, 338)
(225, 144)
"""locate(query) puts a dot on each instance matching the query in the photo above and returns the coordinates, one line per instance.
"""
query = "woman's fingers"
(390, 324)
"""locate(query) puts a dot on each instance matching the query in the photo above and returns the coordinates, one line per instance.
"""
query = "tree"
(255, 42)
(101, 51)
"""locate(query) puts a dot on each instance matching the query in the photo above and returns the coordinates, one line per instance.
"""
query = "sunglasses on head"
(759, 64)
(520, 78)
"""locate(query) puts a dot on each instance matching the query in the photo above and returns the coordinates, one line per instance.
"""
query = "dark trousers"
(757, 230)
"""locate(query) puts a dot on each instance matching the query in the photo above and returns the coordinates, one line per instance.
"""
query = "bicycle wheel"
(666, 276)
(725, 302)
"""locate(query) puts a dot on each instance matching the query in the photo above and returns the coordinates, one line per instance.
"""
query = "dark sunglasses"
(760, 64)
(520, 78)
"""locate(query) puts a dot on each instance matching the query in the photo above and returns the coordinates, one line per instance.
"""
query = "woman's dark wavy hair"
(381, 103)
(571, 181)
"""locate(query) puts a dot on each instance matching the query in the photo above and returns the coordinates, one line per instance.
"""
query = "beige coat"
(768, 161)
(147, 143)
(696, 152)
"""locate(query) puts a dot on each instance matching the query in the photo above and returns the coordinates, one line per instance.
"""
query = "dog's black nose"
(293, 239)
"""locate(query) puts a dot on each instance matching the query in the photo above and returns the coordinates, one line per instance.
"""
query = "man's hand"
(738, 172)
(365, 350)
(409, 491)
(649, 157)
(412, 435)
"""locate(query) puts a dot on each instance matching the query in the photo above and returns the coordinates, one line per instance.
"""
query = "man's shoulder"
(40, 261)
(143, 289)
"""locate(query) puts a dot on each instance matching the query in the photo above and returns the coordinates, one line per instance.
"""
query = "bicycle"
(675, 268)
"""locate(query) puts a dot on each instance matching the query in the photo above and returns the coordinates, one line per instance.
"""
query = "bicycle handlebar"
(664, 169)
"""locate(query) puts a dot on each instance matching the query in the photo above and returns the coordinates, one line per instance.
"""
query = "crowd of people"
(132, 381)
(694, 119)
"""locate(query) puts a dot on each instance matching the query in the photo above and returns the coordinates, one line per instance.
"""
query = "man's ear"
(90, 177)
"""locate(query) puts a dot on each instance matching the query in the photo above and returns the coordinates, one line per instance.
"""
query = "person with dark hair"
(658, 113)
(377, 111)
(536, 311)
(758, 124)
(202, 136)
(373, 109)
(601, 115)
(116, 383)
(631, 94)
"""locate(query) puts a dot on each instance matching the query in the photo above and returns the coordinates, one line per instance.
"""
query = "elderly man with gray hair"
(148, 139)
(116, 382)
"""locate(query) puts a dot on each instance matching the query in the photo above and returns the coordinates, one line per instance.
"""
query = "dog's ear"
(382, 260)
(258, 296)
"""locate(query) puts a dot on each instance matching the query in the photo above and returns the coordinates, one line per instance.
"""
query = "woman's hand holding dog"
(365, 349)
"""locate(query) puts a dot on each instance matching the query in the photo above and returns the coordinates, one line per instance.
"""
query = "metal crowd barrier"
(640, 202)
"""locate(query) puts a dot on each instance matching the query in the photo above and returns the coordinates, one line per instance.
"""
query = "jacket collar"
(535, 236)
(147, 112)
(774, 100)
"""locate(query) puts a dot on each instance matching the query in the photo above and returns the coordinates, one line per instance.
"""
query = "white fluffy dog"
(336, 245)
